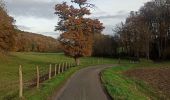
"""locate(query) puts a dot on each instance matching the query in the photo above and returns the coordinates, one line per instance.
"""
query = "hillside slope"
(31, 42)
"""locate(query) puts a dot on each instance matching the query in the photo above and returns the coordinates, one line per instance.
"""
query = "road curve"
(84, 85)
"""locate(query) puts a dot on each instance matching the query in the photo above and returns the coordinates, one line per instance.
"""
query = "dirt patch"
(158, 78)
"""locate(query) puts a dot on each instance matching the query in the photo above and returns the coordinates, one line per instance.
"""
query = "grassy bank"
(121, 87)
(9, 73)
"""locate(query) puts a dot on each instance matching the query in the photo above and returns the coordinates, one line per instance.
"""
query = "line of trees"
(146, 33)
(104, 46)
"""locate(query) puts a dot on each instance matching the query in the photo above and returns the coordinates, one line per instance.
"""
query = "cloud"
(22, 27)
(119, 15)
(38, 16)
(33, 8)
(121, 12)
(51, 34)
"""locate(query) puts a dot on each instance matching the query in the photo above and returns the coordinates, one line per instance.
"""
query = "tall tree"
(146, 32)
(7, 30)
(77, 30)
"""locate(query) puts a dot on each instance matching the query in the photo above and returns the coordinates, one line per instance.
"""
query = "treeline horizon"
(144, 34)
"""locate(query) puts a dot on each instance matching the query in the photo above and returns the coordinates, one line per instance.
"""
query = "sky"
(38, 16)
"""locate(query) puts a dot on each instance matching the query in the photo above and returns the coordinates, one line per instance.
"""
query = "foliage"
(147, 31)
(104, 46)
(7, 30)
(77, 30)
(30, 42)
(12, 39)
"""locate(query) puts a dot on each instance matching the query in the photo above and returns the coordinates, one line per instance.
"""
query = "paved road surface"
(84, 85)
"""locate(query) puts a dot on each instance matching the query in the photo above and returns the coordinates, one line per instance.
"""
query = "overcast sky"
(38, 15)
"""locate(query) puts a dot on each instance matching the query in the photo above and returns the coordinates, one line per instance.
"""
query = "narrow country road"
(84, 85)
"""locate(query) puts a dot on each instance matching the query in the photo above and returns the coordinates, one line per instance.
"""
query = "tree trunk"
(148, 55)
(148, 51)
(77, 60)
(159, 50)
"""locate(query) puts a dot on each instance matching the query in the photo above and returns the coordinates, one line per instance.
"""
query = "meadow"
(9, 72)
(118, 80)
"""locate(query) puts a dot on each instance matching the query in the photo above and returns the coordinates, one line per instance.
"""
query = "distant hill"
(31, 42)
(13, 39)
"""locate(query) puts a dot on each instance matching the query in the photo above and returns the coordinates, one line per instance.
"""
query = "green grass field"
(121, 87)
(9, 72)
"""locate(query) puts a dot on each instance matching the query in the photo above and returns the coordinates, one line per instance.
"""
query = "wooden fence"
(58, 69)
(37, 78)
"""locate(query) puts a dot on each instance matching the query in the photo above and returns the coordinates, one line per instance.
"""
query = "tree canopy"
(77, 30)
(7, 30)
(147, 31)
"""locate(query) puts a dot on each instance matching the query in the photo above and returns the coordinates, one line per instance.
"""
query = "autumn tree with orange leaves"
(77, 30)
(7, 30)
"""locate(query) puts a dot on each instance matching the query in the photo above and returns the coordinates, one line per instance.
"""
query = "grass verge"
(121, 87)
(50, 86)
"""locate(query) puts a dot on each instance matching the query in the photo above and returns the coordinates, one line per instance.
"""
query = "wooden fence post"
(66, 67)
(62, 68)
(20, 82)
(69, 65)
(73, 64)
(59, 68)
(38, 78)
(55, 69)
(50, 72)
